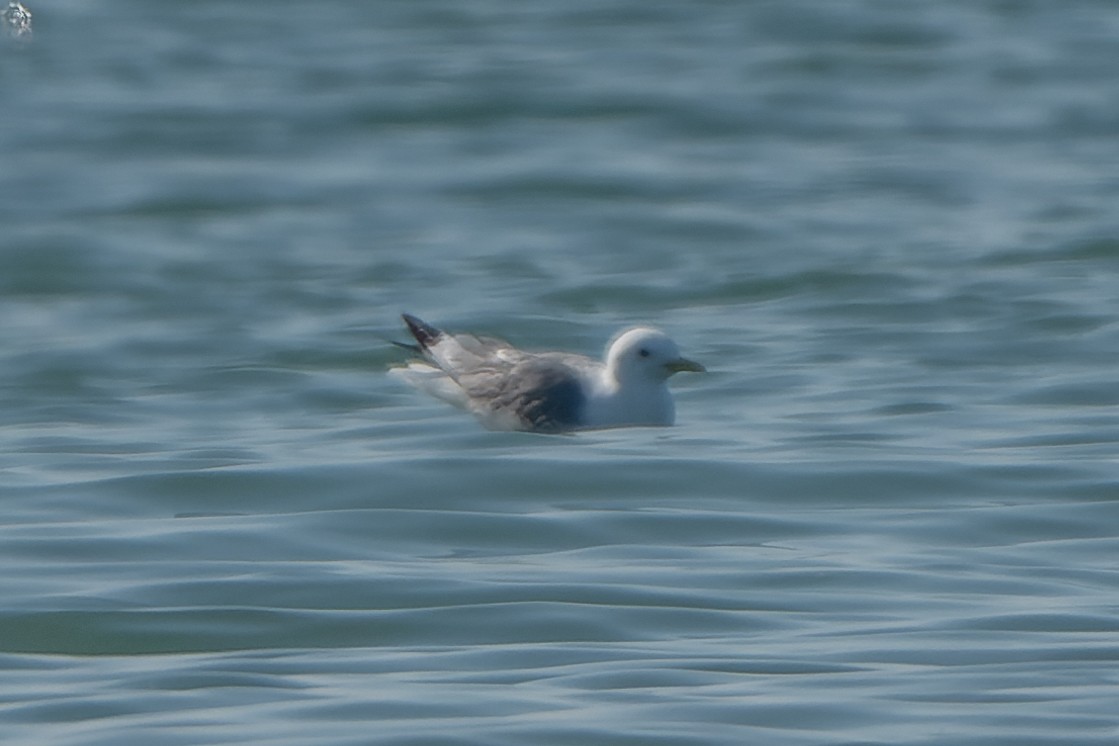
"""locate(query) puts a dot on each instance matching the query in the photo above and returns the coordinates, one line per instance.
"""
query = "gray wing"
(456, 354)
(539, 394)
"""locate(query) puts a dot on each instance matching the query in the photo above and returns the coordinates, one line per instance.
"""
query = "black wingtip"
(424, 333)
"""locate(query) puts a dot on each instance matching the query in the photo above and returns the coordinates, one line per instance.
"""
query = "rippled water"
(886, 516)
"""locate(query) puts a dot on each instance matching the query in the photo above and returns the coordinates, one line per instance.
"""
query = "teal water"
(887, 515)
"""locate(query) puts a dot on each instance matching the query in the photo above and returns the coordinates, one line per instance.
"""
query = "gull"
(550, 392)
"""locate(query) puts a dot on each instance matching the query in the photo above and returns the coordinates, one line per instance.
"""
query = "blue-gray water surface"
(887, 515)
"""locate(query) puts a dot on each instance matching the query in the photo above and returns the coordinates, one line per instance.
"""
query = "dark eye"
(643, 352)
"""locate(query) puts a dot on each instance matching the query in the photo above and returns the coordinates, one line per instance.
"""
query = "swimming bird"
(510, 389)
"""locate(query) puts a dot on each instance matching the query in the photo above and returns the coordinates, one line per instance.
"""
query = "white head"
(645, 354)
